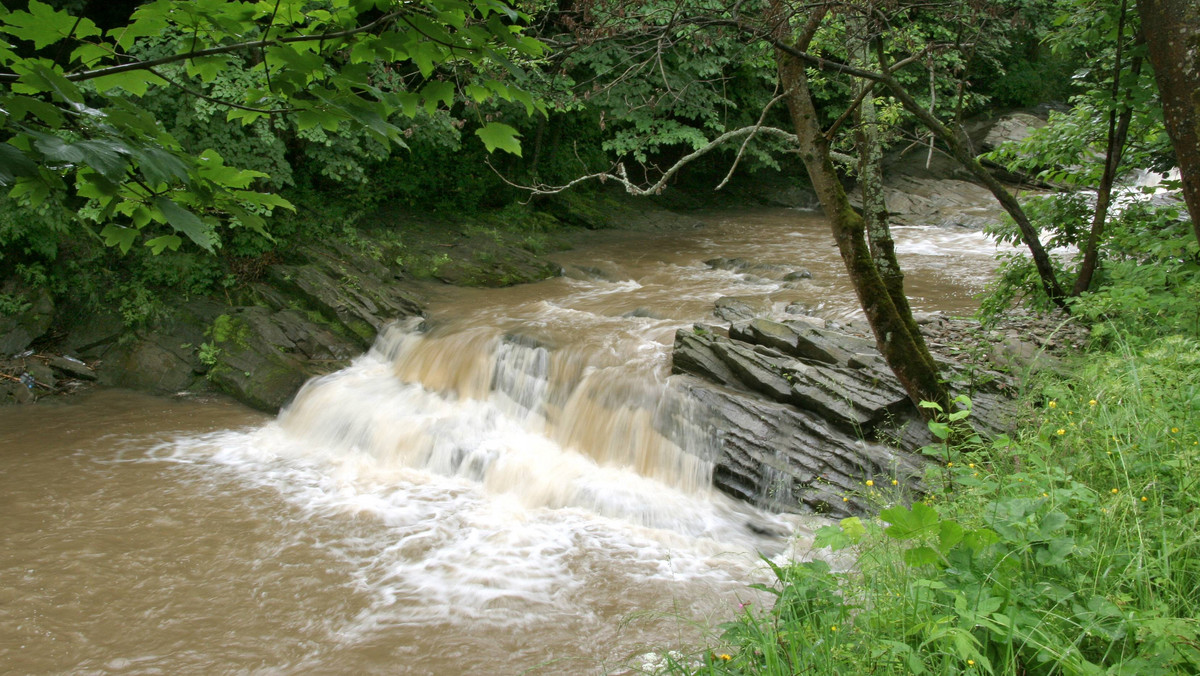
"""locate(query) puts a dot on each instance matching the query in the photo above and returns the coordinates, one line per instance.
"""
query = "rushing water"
(511, 491)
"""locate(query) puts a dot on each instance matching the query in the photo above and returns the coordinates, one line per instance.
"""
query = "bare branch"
(749, 137)
(618, 173)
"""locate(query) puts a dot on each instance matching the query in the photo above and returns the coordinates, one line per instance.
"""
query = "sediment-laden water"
(510, 489)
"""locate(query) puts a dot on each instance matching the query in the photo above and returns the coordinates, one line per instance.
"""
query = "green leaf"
(160, 244)
(188, 223)
(949, 534)
(498, 135)
(43, 25)
(136, 82)
(14, 163)
(437, 91)
(208, 68)
(940, 430)
(853, 528)
(921, 556)
(119, 236)
(921, 520)
(160, 166)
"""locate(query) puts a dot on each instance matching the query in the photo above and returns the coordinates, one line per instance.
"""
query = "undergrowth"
(1071, 547)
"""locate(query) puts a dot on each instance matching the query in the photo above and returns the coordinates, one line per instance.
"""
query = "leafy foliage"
(73, 122)
(1068, 549)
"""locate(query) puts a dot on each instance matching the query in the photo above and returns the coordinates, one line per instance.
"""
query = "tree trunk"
(1172, 29)
(908, 357)
(1118, 130)
(874, 208)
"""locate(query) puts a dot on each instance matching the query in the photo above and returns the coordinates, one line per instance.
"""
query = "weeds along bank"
(1070, 547)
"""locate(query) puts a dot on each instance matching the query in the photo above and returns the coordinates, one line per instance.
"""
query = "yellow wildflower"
(1174, 430)
(1061, 431)
(894, 482)
(870, 483)
(833, 628)
(725, 656)
(970, 663)
(845, 499)
(971, 465)
(1115, 491)
(1144, 498)
(1091, 402)
(1053, 404)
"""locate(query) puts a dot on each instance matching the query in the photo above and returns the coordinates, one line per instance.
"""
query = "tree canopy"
(74, 122)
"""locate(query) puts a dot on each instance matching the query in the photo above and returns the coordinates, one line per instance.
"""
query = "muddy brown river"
(498, 494)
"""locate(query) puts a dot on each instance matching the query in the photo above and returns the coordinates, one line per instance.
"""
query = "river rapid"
(499, 494)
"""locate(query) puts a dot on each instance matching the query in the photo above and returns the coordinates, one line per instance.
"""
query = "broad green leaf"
(921, 520)
(14, 163)
(148, 20)
(949, 534)
(106, 157)
(477, 93)
(437, 91)
(188, 223)
(160, 244)
(497, 135)
(921, 556)
(160, 166)
(853, 527)
(90, 54)
(43, 25)
(136, 82)
(94, 185)
(21, 106)
(119, 236)
(208, 68)
(41, 76)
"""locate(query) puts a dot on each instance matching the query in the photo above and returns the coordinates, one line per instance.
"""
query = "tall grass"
(1070, 548)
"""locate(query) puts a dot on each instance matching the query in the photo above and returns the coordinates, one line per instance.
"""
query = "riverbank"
(1068, 546)
(257, 327)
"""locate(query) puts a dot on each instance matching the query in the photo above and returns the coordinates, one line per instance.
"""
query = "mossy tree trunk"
(1172, 30)
(874, 207)
(900, 345)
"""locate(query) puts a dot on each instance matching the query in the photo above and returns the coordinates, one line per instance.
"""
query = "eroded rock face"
(308, 317)
(807, 414)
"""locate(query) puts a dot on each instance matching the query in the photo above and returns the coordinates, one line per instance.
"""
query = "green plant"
(208, 354)
(1067, 548)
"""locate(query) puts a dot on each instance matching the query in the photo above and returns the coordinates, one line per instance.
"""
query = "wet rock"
(28, 313)
(1010, 128)
(262, 357)
(808, 413)
(739, 308)
(789, 459)
(916, 200)
(71, 367)
(360, 302)
(643, 313)
(847, 397)
(802, 340)
(12, 392)
(797, 275)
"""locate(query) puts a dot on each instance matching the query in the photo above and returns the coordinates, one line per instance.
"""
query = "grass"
(1072, 547)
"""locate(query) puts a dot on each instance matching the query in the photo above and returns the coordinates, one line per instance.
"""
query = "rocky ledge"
(807, 413)
(301, 317)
